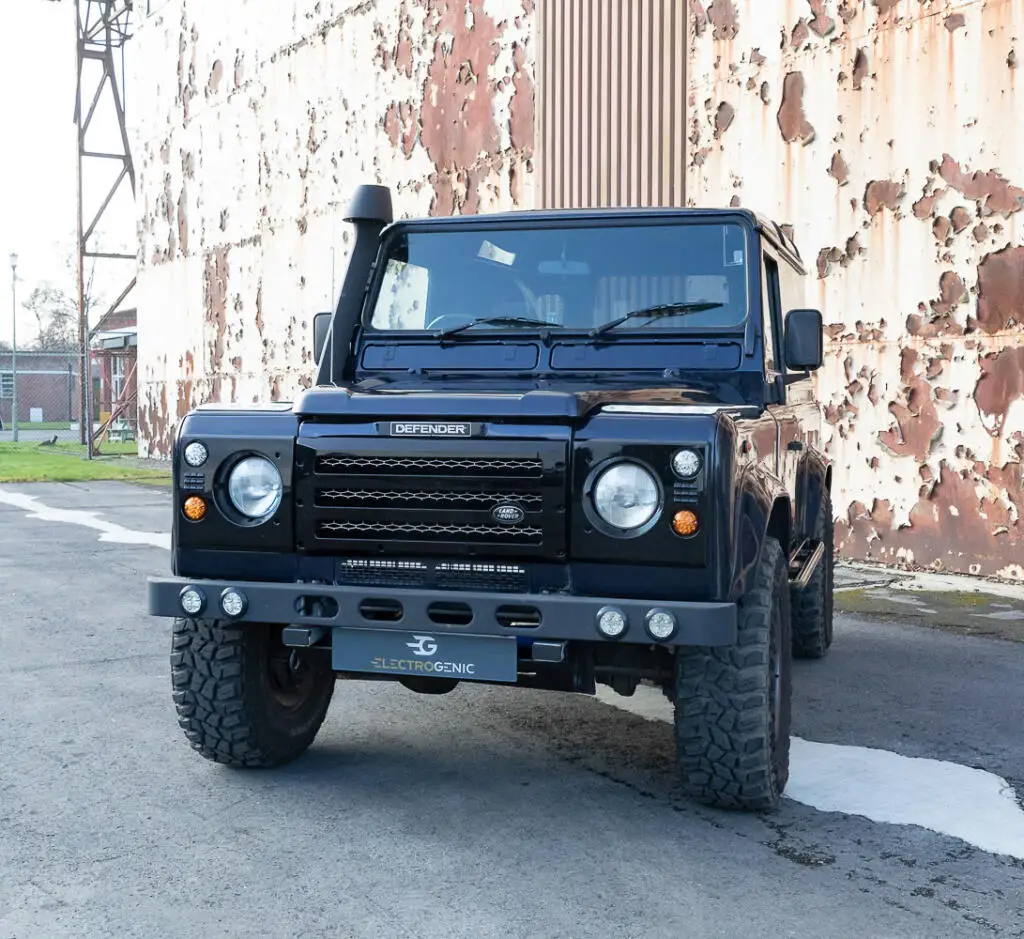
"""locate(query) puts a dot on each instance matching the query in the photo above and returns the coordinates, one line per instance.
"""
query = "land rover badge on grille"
(508, 513)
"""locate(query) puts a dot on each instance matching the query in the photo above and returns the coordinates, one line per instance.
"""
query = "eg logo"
(424, 645)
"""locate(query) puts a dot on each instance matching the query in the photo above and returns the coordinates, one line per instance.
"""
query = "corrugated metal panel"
(611, 103)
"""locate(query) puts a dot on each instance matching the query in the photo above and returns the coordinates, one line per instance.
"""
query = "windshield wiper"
(494, 321)
(656, 313)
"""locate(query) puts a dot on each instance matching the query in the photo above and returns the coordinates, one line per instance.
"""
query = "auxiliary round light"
(685, 523)
(661, 625)
(196, 453)
(686, 463)
(194, 508)
(611, 622)
(192, 601)
(233, 602)
(626, 496)
(255, 487)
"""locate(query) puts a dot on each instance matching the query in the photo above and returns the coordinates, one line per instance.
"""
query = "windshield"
(566, 278)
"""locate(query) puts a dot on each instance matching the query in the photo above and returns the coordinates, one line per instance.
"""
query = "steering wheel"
(461, 317)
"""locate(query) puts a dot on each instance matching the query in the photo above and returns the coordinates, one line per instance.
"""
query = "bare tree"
(56, 316)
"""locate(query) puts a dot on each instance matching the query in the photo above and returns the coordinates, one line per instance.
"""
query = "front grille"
(423, 531)
(488, 498)
(348, 465)
(382, 498)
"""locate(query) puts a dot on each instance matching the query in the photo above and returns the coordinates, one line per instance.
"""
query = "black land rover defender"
(547, 449)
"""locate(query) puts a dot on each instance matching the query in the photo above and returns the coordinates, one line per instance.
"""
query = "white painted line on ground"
(970, 804)
(109, 531)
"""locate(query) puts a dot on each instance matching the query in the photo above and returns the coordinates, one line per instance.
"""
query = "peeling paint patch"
(952, 292)
(724, 19)
(792, 121)
(993, 193)
(883, 194)
(860, 69)
(724, 117)
(1000, 385)
(821, 23)
(1001, 289)
(838, 169)
(917, 423)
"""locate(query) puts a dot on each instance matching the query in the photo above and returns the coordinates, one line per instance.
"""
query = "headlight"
(686, 463)
(626, 496)
(255, 487)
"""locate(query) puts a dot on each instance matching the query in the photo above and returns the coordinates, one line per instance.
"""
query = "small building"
(114, 355)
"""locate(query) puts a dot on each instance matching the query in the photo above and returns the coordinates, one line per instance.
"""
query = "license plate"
(425, 655)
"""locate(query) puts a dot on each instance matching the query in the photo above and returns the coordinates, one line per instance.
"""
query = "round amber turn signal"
(194, 508)
(685, 523)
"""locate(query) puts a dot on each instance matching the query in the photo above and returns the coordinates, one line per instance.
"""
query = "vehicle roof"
(770, 229)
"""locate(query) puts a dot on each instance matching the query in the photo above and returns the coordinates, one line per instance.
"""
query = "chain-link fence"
(47, 389)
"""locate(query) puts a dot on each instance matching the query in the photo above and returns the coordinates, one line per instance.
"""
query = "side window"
(771, 312)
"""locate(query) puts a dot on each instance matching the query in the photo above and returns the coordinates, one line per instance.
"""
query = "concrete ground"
(968, 605)
(487, 812)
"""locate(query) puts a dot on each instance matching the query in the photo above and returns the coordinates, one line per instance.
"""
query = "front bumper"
(481, 614)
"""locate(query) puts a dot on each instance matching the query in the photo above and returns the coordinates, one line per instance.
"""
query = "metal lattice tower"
(103, 28)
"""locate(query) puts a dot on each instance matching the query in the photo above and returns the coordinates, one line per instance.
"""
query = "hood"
(563, 405)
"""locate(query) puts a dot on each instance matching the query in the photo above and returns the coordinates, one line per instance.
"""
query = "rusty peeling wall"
(254, 120)
(885, 132)
(888, 134)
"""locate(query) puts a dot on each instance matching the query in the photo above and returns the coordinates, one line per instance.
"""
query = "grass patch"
(28, 462)
(41, 425)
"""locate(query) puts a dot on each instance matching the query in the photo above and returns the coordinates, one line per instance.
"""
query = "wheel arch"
(814, 478)
(763, 509)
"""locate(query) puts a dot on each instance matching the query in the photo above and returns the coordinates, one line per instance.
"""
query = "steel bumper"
(561, 617)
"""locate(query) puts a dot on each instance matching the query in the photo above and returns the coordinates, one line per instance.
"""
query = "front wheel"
(244, 698)
(733, 703)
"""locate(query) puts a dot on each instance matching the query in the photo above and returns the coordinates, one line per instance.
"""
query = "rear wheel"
(812, 606)
(244, 698)
(733, 703)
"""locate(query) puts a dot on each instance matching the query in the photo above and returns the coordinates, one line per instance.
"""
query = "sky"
(38, 160)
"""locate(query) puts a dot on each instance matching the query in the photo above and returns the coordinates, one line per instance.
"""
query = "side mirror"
(321, 327)
(805, 340)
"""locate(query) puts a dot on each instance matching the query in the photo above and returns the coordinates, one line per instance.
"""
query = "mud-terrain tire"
(733, 703)
(239, 699)
(812, 606)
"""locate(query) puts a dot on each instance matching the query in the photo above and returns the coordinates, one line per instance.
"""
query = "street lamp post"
(14, 346)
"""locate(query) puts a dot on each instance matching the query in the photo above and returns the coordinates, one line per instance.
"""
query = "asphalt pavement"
(487, 812)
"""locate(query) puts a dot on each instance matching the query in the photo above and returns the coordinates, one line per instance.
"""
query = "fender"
(813, 477)
(762, 508)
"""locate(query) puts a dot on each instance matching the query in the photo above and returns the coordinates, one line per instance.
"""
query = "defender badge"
(508, 514)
